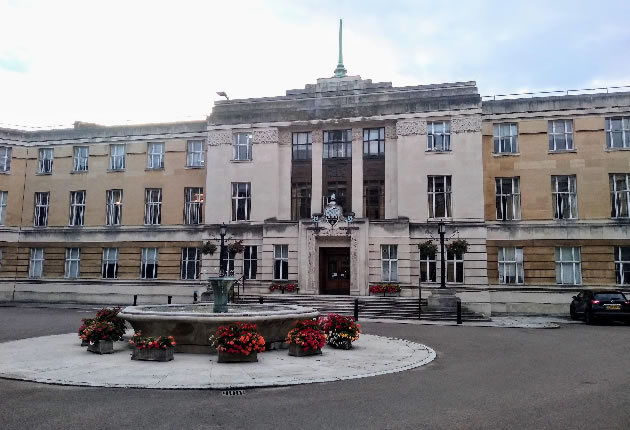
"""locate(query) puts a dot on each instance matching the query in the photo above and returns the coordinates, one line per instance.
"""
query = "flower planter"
(298, 351)
(102, 347)
(227, 357)
(396, 294)
(84, 343)
(344, 344)
(154, 354)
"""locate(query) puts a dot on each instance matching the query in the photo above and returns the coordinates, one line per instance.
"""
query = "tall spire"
(340, 71)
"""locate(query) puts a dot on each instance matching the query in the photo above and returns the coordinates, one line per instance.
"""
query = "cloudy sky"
(150, 61)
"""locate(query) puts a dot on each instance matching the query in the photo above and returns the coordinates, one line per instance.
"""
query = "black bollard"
(356, 309)
(419, 301)
(135, 299)
(459, 312)
(260, 300)
(195, 297)
(170, 298)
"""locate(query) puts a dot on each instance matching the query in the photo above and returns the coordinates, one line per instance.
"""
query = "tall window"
(81, 156)
(619, 195)
(155, 155)
(73, 260)
(229, 262)
(505, 138)
(300, 200)
(374, 199)
(5, 159)
(303, 145)
(153, 206)
(190, 263)
(109, 265)
(194, 155)
(193, 206)
(618, 132)
(428, 266)
(250, 261)
(508, 198)
(622, 265)
(77, 208)
(114, 202)
(117, 156)
(568, 265)
(242, 147)
(338, 144)
(454, 267)
(374, 142)
(510, 265)
(42, 202)
(281, 262)
(36, 263)
(241, 201)
(439, 189)
(389, 263)
(45, 164)
(149, 263)
(564, 197)
(3, 206)
(561, 135)
(339, 189)
(439, 136)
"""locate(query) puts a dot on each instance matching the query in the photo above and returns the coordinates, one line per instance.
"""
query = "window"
(193, 206)
(439, 189)
(338, 188)
(229, 262)
(5, 159)
(153, 206)
(618, 132)
(374, 199)
(45, 164)
(510, 265)
(622, 265)
(36, 263)
(428, 266)
(374, 142)
(149, 263)
(564, 197)
(242, 148)
(73, 260)
(338, 144)
(439, 136)
(195, 156)
(77, 208)
(300, 201)
(113, 201)
(561, 135)
(155, 154)
(81, 155)
(190, 264)
(303, 145)
(241, 201)
(505, 138)
(568, 265)
(117, 156)
(508, 198)
(620, 195)
(42, 202)
(250, 261)
(4, 195)
(109, 266)
(389, 263)
(454, 267)
(281, 262)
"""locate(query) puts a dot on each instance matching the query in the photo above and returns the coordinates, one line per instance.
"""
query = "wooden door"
(334, 271)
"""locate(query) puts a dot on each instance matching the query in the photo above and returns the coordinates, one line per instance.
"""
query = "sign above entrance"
(333, 215)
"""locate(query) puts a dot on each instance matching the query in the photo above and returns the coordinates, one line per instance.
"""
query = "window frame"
(332, 147)
(117, 162)
(620, 266)
(368, 141)
(625, 132)
(195, 158)
(444, 133)
(575, 263)
(298, 148)
(4, 196)
(617, 209)
(107, 259)
(145, 261)
(70, 261)
(368, 209)
(554, 135)
(428, 267)
(571, 195)
(186, 263)
(281, 262)
(249, 261)
(193, 209)
(301, 204)
(40, 206)
(500, 140)
(503, 264)
(152, 209)
(237, 146)
(5, 159)
(77, 208)
(113, 208)
(80, 161)
(388, 263)
(456, 261)
(155, 159)
(513, 199)
(238, 201)
(34, 261)
(448, 196)
(44, 163)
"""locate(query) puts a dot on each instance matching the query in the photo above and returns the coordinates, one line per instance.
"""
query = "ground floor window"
(622, 265)
(389, 263)
(428, 266)
(109, 267)
(281, 262)
(36, 263)
(149, 263)
(190, 264)
(454, 267)
(510, 265)
(250, 261)
(73, 260)
(229, 263)
(568, 265)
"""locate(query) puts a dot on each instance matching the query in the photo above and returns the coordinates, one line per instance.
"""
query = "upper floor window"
(109, 264)
(42, 202)
(618, 132)
(622, 265)
(45, 164)
(340, 190)
(568, 265)
(149, 263)
(77, 208)
(619, 195)
(564, 197)
(250, 261)
(281, 262)
(389, 263)
(300, 200)
(242, 147)
(191, 258)
(81, 156)
(338, 144)
(113, 201)
(193, 206)
(374, 142)
(374, 199)
(3, 206)
(508, 198)
(439, 190)
(155, 155)
(439, 136)
(5, 159)
(241, 201)
(505, 138)
(73, 260)
(302, 145)
(561, 135)
(454, 267)
(153, 206)
(194, 155)
(117, 156)
(36, 263)
(428, 266)
(510, 265)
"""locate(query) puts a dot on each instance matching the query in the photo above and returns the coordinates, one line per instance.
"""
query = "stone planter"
(226, 357)
(84, 343)
(344, 344)
(396, 294)
(298, 351)
(102, 347)
(153, 354)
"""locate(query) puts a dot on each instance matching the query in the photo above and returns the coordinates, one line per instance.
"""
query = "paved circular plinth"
(61, 360)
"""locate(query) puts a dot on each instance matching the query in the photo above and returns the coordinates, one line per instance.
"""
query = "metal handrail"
(236, 292)
(558, 92)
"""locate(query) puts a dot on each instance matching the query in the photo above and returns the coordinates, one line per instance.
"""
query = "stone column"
(391, 173)
(357, 171)
(316, 178)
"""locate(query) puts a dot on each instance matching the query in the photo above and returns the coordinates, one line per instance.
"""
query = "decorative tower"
(340, 71)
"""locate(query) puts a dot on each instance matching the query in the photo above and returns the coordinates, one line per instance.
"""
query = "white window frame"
(513, 199)
(45, 162)
(238, 201)
(113, 207)
(374, 146)
(337, 148)
(439, 136)
(4, 195)
(110, 256)
(302, 145)
(36, 263)
(193, 205)
(505, 143)
(558, 196)
(81, 159)
(389, 263)
(426, 262)
(242, 143)
(512, 265)
(42, 207)
(621, 267)
(117, 156)
(248, 273)
(574, 261)
(5, 159)
(281, 256)
(457, 262)
(152, 206)
(155, 155)
(149, 256)
(72, 267)
(230, 258)
(448, 196)
(623, 132)
(619, 208)
(555, 134)
(77, 208)
(195, 156)
(186, 262)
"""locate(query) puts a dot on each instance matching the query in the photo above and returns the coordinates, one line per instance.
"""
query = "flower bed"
(340, 330)
(238, 342)
(306, 338)
(385, 289)
(289, 288)
(152, 348)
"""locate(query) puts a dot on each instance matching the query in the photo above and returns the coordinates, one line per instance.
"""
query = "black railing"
(236, 288)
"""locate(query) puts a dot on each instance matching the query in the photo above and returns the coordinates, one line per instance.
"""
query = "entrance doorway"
(334, 271)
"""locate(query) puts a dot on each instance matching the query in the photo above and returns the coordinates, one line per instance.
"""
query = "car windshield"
(605, 297)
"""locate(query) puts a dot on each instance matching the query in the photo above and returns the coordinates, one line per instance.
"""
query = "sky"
(120, 62)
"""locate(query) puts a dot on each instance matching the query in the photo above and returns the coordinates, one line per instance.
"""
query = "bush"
(238, 338)
(105, 315)
(308, 334)
(339, 329)
(100, 330)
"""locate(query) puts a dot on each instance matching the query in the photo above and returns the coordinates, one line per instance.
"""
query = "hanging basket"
(428, 248)
(208, 248)
(458, 247)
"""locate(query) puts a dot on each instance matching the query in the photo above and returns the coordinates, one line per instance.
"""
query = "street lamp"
(442, 232)
(222, 232)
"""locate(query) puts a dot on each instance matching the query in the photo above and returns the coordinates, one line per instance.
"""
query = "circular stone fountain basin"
(192, 325)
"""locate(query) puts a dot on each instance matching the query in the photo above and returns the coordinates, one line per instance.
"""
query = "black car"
(592, 305)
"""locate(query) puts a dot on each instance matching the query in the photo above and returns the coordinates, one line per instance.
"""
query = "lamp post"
(222, 232)
(442, 232)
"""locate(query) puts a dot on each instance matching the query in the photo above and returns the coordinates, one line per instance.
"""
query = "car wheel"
(589, 318)
(573, 314)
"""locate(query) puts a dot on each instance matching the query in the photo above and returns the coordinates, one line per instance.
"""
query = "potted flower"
(276, 287)
(306, 338)
(238, 342)
(152, 348)
(340, 330)
(105, 314)
(101, 336)
(458, 246)
(235, 247)
(428, 248)
(386, 290)
(85, 323)
(291, 287)
(208, 248)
